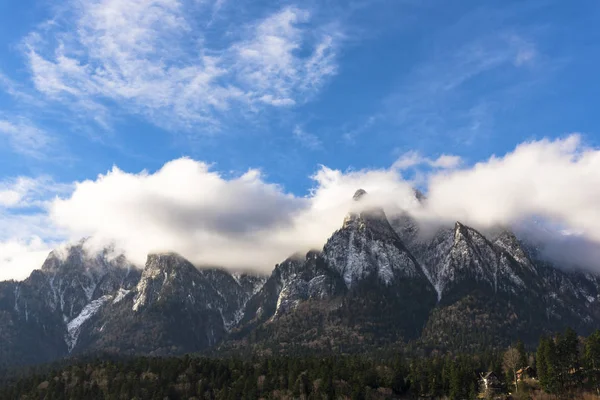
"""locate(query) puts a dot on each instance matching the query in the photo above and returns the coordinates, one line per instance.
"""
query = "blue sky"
(281, 87)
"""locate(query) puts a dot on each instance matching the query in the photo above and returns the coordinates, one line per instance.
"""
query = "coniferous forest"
(562, 367)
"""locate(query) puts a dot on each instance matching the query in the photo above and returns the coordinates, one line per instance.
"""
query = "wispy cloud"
(25, 137)
(269, 62)
(444, 95)
(152, 57)
(17, 91)
(307, 139)
(350, 135)
(26, 192)
(525, 51)
(413, 159)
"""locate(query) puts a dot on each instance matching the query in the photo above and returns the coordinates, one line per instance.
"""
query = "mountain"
(82, 301)
(363, 288)
(493, 290)
(378, 284)
(38, 316)
(175, 308)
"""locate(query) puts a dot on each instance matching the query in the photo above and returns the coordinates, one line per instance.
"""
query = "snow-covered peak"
(459, 254)
(461, 232)
(507, 241)
(76, 274)
(79, 258)
(366, 245)
(164, 272)
(165, 260)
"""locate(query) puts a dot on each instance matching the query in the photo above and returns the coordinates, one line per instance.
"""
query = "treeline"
(565, 363)
(564, 366)
(272, 378)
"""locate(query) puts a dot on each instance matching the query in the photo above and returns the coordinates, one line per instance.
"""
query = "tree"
(592, 359)
(568, 351)
(541, 363)
(522, 354)
(547, 365)
(510, 364)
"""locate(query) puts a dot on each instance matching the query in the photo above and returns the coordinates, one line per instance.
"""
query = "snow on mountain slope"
(462, 258)
(366, 245)
(170, 277)
(76, 276)
(459, 254)
(121, 295)
(74, 326)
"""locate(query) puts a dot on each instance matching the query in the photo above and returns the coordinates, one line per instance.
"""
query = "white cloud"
(17, 91)
(12, 193)
(525, 51)
(307, 139)
(556, 180)
(245, 222)
(240, 223)
(408, 160)
(351, 134)
(24, 137)
(9, 197)
(19, 258)
(26, 233)
(446, 161)
(413, 159)
(153, 57)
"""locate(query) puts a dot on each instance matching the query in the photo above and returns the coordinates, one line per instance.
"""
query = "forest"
(564, 366)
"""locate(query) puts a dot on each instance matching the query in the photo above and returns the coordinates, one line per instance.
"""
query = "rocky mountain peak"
(74, 275)
(369, 218)
(359, 194)
(366, 245)
(78, 258)
(420, 196)
(460, 230)
(69, 257)
(163, 273)
(507, 241)
(167, 261)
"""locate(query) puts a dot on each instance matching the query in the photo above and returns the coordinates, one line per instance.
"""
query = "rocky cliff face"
(40, 315)
(492, 290)
(80, 302)
(174, 308)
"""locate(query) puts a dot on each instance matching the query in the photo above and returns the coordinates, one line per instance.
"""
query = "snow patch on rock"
(121, 295)
(74, 326)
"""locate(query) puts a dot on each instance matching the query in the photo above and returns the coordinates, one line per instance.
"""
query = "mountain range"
(377, 284)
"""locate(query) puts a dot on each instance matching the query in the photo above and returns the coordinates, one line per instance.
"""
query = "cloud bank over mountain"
(245, 222)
